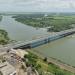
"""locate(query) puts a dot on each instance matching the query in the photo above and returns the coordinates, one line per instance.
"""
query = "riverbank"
(55, 22)
(59, 63)
(49, 66)
(4, 38)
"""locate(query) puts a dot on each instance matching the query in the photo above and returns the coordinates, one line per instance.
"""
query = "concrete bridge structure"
(44, 40)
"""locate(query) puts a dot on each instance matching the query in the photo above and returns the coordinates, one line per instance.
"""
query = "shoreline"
(55, 61)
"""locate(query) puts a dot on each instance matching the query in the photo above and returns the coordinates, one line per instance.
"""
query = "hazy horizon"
(37, 5)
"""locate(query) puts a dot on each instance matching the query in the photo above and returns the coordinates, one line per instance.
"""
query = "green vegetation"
(43, 67)
(4, 39)
(56, 22)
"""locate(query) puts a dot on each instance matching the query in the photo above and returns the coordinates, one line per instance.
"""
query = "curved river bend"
(62, 49)
(18, 31)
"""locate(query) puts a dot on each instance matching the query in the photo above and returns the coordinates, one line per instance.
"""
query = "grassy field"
(56, 22)
(44, 67)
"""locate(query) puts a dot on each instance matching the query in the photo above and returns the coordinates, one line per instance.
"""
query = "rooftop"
(7, 69)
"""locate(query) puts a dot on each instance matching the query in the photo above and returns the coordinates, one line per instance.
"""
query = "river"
(62, 49)
(18, 31)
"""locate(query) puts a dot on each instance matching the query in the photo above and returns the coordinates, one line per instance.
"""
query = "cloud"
(49, 3)
(37, 5)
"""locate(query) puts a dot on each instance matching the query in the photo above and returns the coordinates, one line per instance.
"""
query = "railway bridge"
(44, 40)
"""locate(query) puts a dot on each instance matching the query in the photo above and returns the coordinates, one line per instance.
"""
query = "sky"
(37, 5)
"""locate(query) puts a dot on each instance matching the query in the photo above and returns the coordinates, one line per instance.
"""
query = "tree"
(59, 73)
(45, 59)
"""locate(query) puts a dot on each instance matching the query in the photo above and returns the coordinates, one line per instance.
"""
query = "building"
(7, 69)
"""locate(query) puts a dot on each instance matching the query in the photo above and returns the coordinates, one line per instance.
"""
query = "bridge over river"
(41, 41)
(44, 40)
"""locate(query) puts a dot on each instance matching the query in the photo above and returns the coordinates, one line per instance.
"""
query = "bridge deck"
(44, 39)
